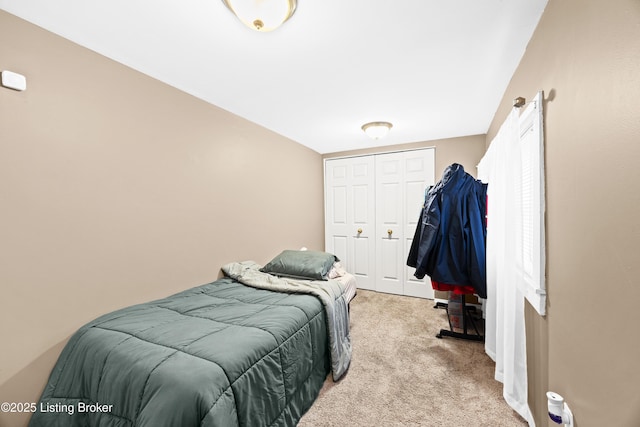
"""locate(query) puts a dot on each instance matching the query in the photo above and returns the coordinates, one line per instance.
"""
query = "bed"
(250, 349)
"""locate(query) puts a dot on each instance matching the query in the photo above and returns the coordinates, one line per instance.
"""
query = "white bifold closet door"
(372, 208)
(350, 214)
(401, 181)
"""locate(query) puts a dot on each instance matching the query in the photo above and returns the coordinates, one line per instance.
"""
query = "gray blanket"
(330, 293)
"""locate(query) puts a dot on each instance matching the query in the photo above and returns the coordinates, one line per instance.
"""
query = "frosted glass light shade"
(377, 130)
(262, 15)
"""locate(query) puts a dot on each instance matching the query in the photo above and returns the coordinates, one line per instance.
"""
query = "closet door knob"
(359, 230)
(389, 232)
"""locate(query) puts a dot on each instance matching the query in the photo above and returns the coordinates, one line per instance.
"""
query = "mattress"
(348, 280)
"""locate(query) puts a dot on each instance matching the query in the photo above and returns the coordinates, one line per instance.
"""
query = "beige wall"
(117, 189)
(585, 55)
(466, 150)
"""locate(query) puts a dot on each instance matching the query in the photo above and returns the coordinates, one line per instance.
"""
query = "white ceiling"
(435, 69)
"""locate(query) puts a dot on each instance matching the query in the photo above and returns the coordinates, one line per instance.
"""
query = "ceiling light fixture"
(377, 130)
(262, 15)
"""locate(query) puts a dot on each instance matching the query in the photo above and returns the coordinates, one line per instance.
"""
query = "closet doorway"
(372, 208)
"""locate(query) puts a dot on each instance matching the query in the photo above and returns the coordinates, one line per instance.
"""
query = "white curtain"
(505, 340)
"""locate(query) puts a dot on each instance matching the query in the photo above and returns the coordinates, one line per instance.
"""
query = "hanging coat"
(450, 241)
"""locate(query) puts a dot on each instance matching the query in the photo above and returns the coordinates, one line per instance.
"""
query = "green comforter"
(330, 292)
(222, 354)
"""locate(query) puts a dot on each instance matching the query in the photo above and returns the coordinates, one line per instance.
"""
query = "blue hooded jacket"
(450, 241)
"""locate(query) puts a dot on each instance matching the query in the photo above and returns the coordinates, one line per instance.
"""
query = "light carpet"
(402, 375)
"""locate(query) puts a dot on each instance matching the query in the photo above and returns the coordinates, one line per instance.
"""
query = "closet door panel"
(336, 221)
(390, 271)
(362, 220)
(361, 259)
(360, 205)
(339, 206)
(389, 216)
(340, 249)
(350, 214)
(336, 202)
(414, 191)
(391, 194)
(419, 174)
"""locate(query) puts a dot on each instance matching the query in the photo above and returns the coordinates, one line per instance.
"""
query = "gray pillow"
(313, 265)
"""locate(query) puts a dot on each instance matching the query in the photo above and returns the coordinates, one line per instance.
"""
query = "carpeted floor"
(402, 375)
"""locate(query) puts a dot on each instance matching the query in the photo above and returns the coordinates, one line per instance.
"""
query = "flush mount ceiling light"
(377, 130)
(262, 15)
